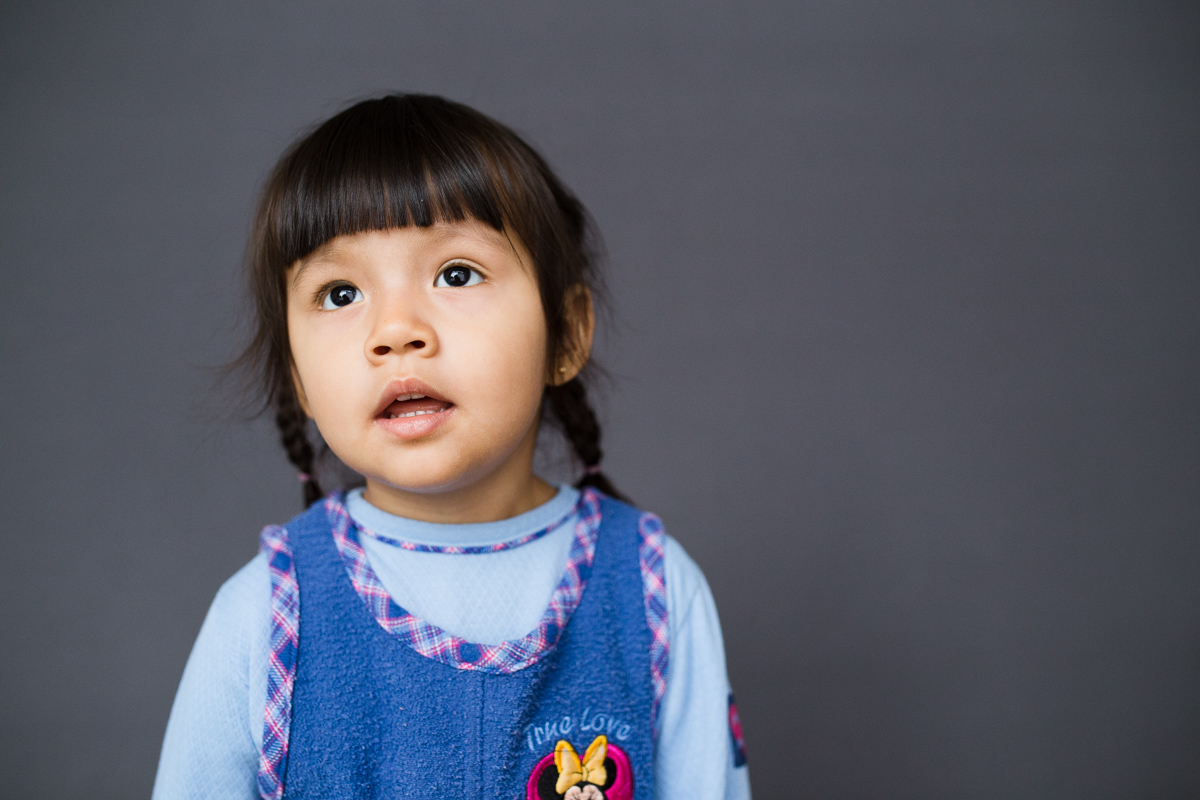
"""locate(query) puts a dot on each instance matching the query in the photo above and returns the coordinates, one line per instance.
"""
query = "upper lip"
(405, 386)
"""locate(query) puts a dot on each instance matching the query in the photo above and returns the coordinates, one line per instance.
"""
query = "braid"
(293, 432)
(579, 425)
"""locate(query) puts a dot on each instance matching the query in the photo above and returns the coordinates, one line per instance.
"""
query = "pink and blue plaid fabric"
(651, 551)
(468, 550)
(433, 642)
(430, 640)
(281, 664)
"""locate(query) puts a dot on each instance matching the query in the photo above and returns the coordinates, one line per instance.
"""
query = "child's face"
(421, 354)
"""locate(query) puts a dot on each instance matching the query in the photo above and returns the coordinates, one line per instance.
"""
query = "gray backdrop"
(905, 353)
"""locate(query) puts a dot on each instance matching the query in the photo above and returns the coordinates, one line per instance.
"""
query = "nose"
(400, 328)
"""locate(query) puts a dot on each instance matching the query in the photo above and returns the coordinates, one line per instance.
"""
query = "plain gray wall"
(906, 353)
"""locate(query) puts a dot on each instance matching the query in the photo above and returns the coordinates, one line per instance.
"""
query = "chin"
(427, 478)
(425, 483)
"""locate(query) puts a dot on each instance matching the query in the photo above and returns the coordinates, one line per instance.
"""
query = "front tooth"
(410, 414)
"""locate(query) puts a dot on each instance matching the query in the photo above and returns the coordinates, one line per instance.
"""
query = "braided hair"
(416, 160)
(569, 406)
(293, 433)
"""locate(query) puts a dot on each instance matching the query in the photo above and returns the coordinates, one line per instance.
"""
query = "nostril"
(417, 344)
(382, 350)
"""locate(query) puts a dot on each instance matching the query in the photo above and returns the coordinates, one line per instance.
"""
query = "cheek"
(505, 367)
(509, 348)
(320, 362)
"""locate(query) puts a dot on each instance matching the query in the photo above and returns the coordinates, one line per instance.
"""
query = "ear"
(579, 319)
(298, 385)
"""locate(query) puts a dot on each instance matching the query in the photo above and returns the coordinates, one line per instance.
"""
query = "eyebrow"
(302, 264)
(485, 233)
(479, 231)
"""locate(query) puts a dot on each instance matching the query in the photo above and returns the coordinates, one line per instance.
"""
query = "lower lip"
(409, 428)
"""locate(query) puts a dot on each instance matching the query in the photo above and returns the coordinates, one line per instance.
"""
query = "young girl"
(458, 627)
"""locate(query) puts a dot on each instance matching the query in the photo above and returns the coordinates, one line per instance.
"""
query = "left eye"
(340, 297)
(457, 275)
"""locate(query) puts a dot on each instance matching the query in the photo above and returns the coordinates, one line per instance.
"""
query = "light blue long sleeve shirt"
(215, 728)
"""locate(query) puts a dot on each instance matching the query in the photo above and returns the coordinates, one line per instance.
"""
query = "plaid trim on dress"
(433, 642)
(453, 549)
(281, 664)
(651, 552)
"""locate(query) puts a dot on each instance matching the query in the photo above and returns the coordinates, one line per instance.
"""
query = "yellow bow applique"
(571, 771)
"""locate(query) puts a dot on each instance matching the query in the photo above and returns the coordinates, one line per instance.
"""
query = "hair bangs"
(391, 163)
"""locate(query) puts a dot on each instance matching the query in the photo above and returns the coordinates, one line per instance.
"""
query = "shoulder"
(235, 614)
(693, 624)
(685, 580)
(243, 590)
(668, 572)
(234, 627)
(660, 554)
(613, 512)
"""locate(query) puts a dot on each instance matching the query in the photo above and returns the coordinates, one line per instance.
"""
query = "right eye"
(340, 296)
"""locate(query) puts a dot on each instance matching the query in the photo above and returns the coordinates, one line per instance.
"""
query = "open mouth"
(414, 405)
(410, 409)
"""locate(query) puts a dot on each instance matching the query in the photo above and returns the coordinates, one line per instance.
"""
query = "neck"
(459, 506)
(506, 492)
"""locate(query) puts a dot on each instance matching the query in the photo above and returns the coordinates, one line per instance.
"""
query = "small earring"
(562, 369)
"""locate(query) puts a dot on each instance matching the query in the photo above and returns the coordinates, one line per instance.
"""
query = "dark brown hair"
(403, 160)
